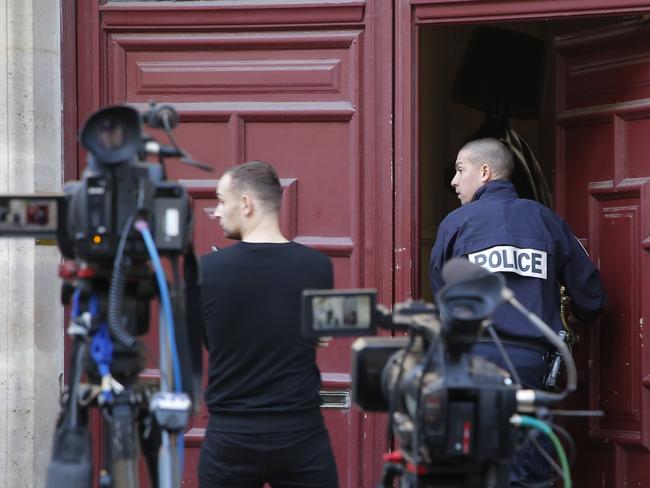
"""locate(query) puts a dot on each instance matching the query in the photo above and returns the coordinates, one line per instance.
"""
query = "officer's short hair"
(493, 153)
(261, 179)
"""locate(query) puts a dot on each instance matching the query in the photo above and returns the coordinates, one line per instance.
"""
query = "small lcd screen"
(29, 215)
(338, 312)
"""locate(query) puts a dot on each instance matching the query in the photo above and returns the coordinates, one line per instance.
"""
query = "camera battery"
(170, 223)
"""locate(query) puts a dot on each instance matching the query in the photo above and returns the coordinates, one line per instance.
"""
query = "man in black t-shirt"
(265, 421)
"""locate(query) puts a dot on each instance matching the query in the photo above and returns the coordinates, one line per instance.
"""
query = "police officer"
(535, 250)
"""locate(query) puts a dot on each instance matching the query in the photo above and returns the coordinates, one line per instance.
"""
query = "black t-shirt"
(262, 374)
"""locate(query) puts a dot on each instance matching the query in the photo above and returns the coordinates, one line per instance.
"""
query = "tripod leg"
(123, 443)
(151, 439)
(71, 463)
(168, 462)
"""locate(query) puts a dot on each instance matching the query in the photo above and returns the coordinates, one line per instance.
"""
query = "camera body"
(92, 221)
(448, 409)
(116, 185)
(99, 206)
(113, 226)
(445, 409)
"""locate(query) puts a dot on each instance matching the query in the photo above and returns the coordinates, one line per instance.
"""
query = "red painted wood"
(69, 75)
(219, 14)
(602, 121)
(88, 74)
(406, 157)
(435, 11)
(253, 79)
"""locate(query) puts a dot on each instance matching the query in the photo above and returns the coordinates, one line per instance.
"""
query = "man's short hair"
(259, 178)
(493, 153)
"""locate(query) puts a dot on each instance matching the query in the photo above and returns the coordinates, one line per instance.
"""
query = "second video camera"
(449, 410)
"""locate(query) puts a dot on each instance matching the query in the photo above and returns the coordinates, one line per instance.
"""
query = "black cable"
(558, 470)
(546, 397)
(569, 441)
(169, 131)
(116, 290)
(181, 325)
(185, 158)
(435, 344)
(549, 459)
(418, 406)
(392, 401)
(577, 413)
(504, 353)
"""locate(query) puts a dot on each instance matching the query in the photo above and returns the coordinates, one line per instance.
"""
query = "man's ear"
(486, 173)
(246, 204)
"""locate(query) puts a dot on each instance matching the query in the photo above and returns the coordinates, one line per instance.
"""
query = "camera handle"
(166, 118)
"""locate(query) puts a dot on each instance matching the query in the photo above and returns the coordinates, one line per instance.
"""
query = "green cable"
(528, 421)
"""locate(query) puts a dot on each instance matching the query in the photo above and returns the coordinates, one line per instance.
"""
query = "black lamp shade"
(502, 72)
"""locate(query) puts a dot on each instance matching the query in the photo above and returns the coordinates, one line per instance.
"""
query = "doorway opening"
(445, 125)
(592, 145)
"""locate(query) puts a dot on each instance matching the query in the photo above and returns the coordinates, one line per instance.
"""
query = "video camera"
(113, 226)
(453, 414)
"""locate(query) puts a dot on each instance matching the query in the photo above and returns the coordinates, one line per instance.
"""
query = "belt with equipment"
(537, 344)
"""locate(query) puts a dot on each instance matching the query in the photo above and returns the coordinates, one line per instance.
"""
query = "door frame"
(410, 16)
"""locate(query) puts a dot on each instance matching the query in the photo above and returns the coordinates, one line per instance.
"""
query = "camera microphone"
(460, 269)
(163, 117)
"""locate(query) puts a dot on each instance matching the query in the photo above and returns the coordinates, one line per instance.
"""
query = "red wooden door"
(305, 86)
(603, 170)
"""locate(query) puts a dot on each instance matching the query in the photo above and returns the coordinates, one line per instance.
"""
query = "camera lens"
(110, 135)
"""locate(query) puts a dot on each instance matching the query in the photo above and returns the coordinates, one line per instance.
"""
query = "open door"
(602, 188)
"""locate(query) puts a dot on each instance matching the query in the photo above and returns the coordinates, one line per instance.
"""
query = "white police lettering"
(524, 262)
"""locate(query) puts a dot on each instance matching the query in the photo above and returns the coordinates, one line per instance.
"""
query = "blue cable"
(74, 313)
(101, 350)
(143, 228)
(93, 305)
(101, 346)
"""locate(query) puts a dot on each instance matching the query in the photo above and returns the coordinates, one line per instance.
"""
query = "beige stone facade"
(31, 318)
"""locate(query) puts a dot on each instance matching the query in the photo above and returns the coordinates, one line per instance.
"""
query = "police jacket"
(531, 245)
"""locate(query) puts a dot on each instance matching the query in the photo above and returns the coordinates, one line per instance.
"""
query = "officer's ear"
(485, 172)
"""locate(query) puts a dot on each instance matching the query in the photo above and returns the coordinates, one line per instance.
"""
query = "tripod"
(134, 414)
(459, 475)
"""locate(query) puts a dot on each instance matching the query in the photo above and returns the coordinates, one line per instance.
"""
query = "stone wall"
(31, 318)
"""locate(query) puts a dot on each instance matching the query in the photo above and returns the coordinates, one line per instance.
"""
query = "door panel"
(300, 86)
(603, 170)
